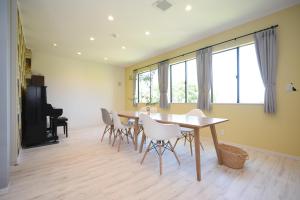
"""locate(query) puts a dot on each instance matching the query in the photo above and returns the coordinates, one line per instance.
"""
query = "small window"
(224, 66)
(236, 76)
(144, 87)
(147, 89)
(191, 81)
(252, 89)
(178, 82)
(154, 87)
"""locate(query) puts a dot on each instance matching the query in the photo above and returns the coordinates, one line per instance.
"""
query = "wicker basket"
(233, 157)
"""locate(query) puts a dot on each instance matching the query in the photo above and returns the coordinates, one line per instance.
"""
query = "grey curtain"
(266, 52)
(204, 76)
(163, 70)
(134, 97)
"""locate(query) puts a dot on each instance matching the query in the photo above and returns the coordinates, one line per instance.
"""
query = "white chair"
(121, 130)
(142, 109)
(109, 125)
(160, 135)
(188, 133)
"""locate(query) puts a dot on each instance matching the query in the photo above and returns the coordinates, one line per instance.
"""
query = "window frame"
(185, 81)
(150, 85)
(237, 74)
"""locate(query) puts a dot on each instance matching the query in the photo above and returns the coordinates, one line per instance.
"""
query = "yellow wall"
(249, 124)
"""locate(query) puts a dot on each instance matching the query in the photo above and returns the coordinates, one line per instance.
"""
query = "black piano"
(38, 118)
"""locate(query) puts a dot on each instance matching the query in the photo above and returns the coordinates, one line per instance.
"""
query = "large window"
(236, 79)
(183, 82)
(236, 76)
(147, 87)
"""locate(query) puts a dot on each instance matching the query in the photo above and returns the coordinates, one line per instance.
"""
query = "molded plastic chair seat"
(121, 130)
(160, 135)
(188, 133)
(109, 125)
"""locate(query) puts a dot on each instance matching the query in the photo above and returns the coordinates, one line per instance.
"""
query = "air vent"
(162, 5)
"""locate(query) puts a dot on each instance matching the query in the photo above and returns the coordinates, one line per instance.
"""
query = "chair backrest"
(196, 112)
(117, 121)
(106, 117)
(152, 109)
(159, 131)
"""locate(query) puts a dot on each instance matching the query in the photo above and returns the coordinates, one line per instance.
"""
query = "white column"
(4, 92)
(14, 132)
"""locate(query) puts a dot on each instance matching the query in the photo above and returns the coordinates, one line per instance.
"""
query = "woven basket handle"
(244, 156)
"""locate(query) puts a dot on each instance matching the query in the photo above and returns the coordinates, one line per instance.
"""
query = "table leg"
(136, 132)
(216, 143)
(142, 142)
(197, 152)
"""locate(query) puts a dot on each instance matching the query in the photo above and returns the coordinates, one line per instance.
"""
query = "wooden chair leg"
(160, 158)
(104, 133)
(176, 142)
(147, 150)
(110, 132)
(173, 150)
(115, 137)
(127, 138)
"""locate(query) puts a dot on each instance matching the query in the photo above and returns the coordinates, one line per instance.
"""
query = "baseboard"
(4, 190)
(269, 152)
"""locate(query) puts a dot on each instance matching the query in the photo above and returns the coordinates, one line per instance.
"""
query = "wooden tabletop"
(182, 120)
(193, 122)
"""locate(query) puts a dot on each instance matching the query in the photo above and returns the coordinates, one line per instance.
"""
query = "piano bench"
(62, 121)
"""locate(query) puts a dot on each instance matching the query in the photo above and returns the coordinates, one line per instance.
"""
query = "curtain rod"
(274, 26)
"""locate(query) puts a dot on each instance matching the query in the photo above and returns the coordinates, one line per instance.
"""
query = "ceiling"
(71, 23)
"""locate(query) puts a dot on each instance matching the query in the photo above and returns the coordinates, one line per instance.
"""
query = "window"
(147, 87)
(236, 79)
(191, 81)
(144, 87)
(183, 82)
(252, 89)
(178, 83)
(236, 76)
(224, 77)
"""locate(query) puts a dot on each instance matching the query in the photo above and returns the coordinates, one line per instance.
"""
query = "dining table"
(193, 122)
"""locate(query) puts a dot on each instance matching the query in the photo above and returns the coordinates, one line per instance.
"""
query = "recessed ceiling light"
(110, 18)
(123, 47)
(147, 33)
(79, 53)
(54, 44)
(188, 7)
(105, 58)
(92, 38)
(114, 35)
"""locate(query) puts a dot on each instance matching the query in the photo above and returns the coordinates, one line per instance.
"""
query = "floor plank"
(80, 167)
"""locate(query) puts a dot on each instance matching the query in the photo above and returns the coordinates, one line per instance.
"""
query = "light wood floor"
(81, 167)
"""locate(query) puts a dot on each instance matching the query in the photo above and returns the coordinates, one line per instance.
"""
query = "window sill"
(217, 103)
(238, 103)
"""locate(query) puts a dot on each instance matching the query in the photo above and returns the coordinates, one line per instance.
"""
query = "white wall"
(81, 88)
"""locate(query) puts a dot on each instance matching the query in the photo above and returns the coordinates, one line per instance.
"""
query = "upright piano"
(35, 112)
